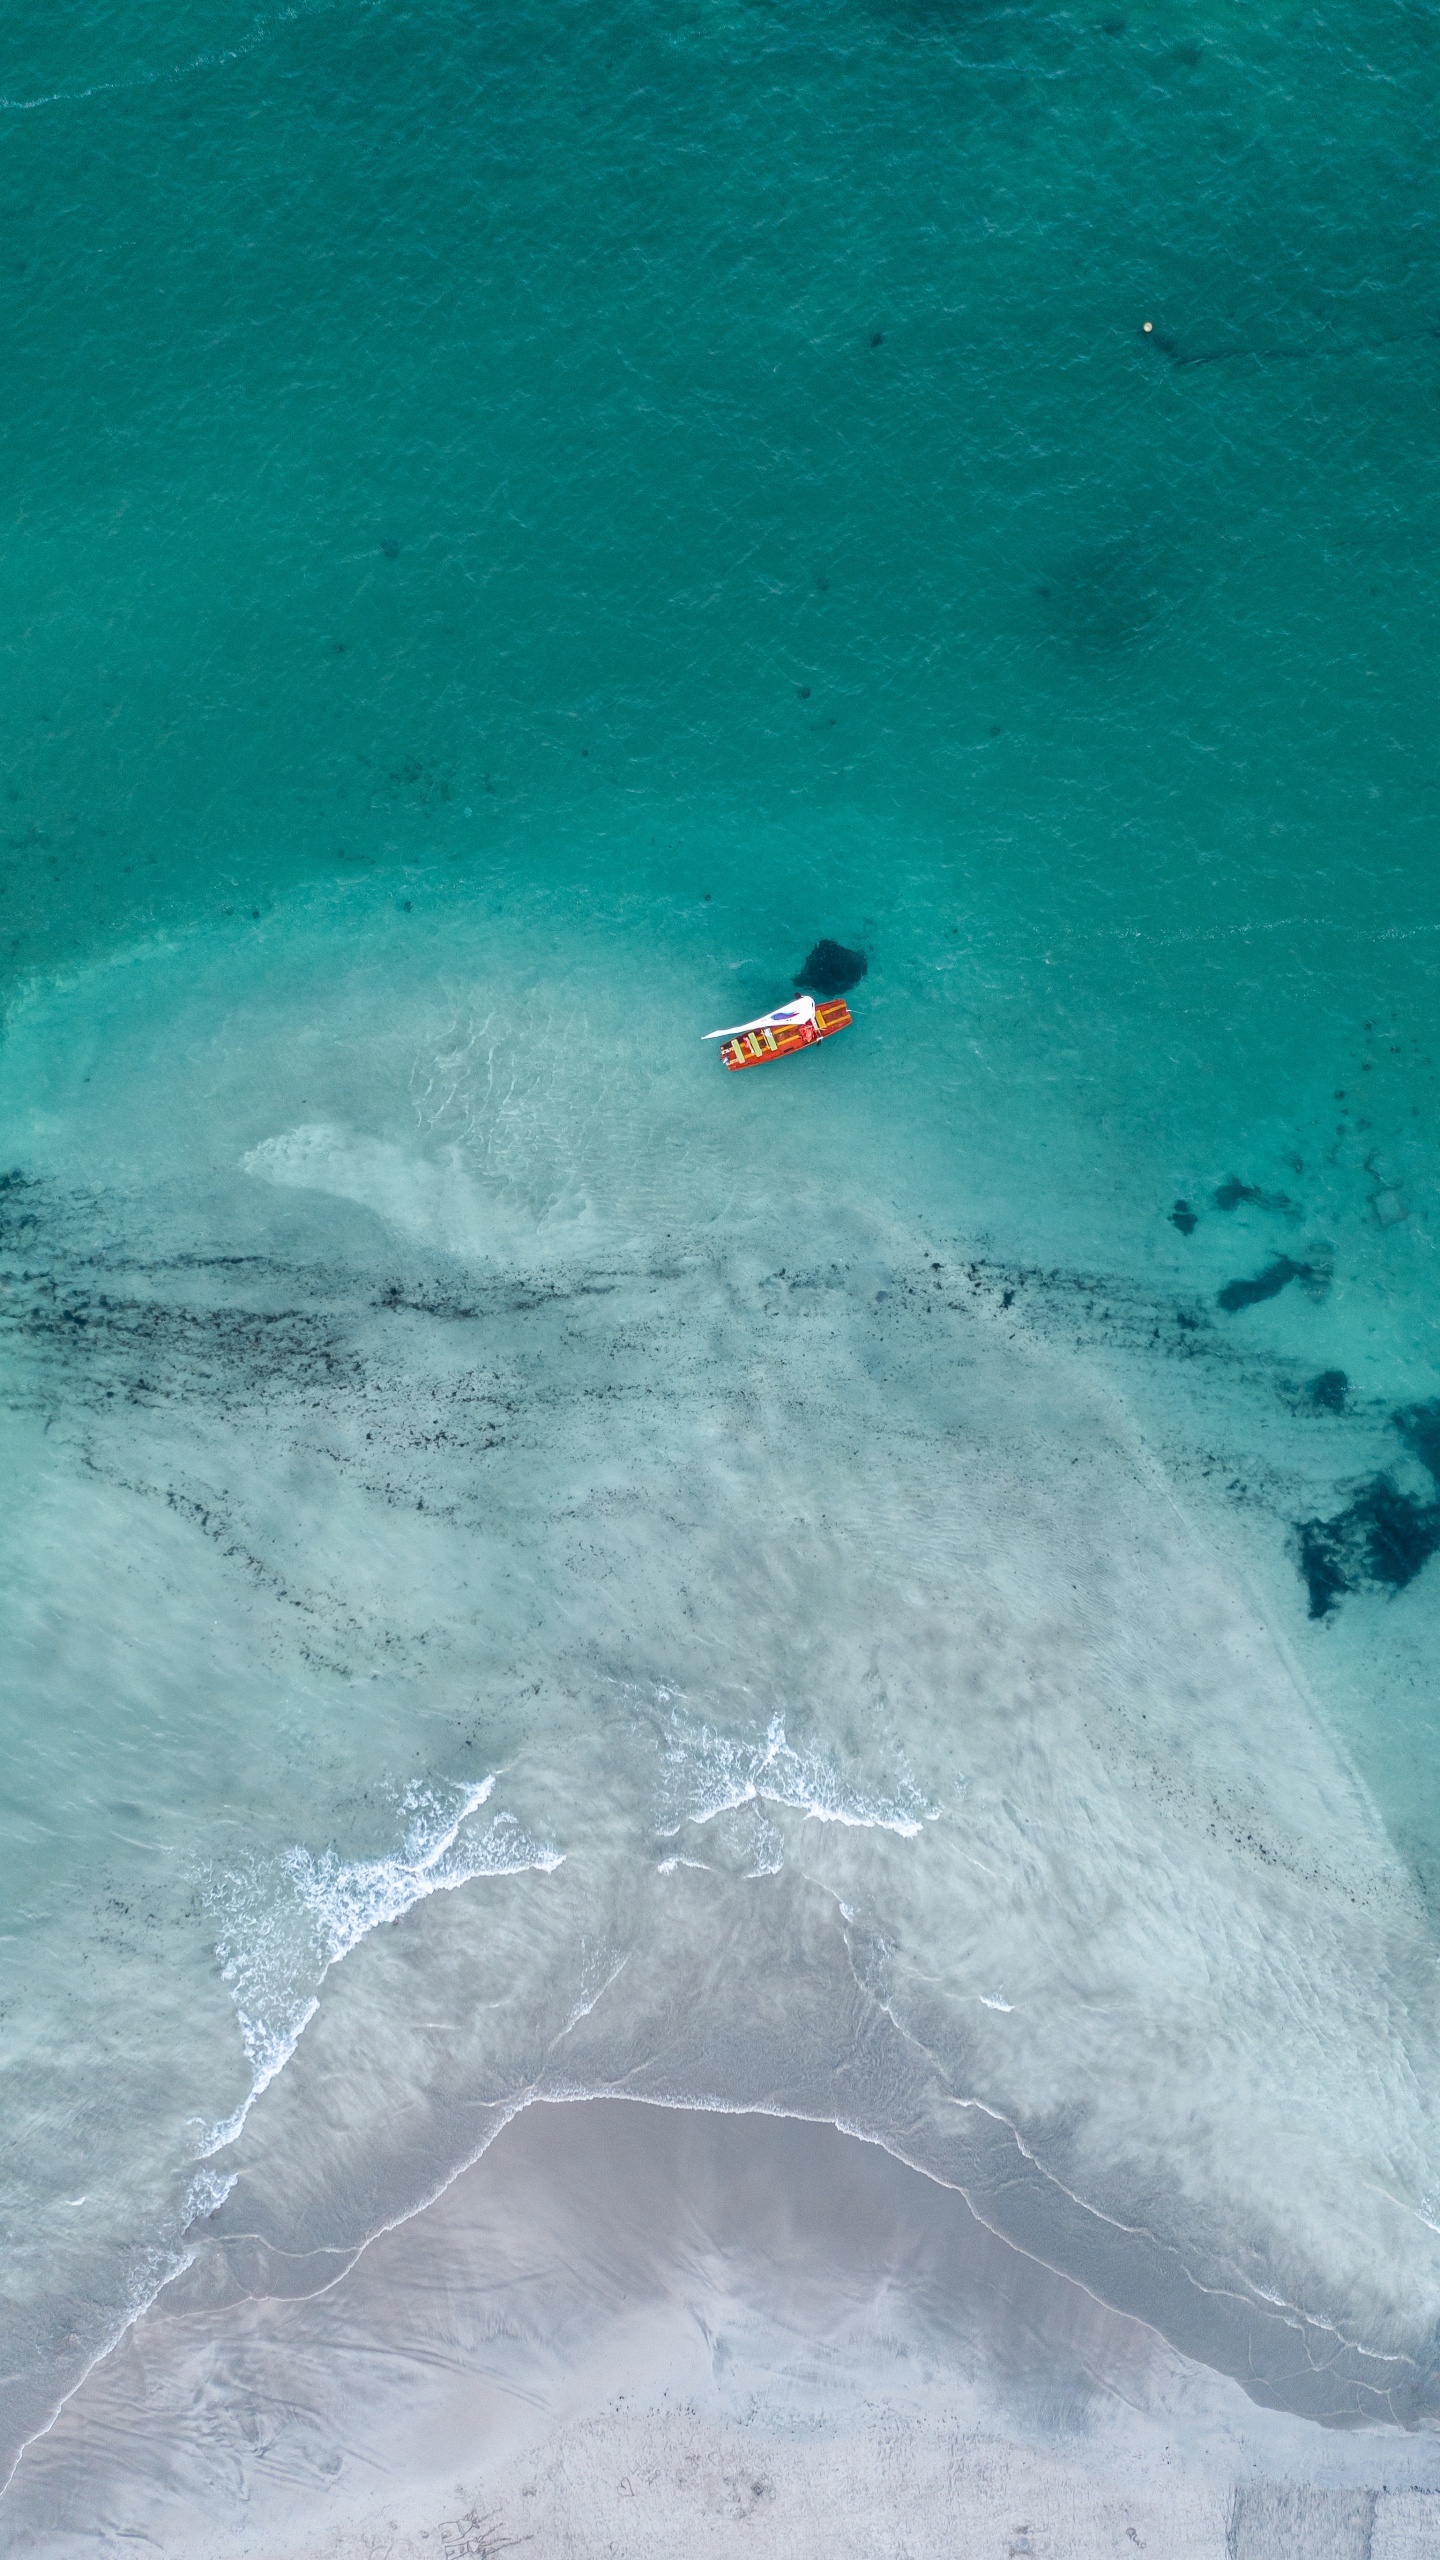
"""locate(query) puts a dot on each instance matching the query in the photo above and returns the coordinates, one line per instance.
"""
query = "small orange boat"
(797, 1025)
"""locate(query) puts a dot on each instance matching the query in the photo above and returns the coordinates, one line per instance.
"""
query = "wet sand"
(640, 2330)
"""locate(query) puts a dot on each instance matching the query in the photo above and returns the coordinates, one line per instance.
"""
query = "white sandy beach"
(643, 2331)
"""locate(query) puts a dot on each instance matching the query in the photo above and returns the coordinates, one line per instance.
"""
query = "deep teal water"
(513, 524)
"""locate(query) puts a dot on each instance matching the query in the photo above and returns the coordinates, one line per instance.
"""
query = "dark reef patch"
(416, 1378)
(1235, 1194)
(831, 970)
(1266, 1284)
(1183, 1217)
(1419, 1428)
(1377, 1543)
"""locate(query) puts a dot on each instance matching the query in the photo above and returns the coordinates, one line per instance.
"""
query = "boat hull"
(757, 1048)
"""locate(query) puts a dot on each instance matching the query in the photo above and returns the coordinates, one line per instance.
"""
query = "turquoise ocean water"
(792, 1590)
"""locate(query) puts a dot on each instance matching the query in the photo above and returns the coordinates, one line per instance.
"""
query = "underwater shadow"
(1108, 600)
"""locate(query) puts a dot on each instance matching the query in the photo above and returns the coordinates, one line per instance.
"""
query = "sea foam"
(285, 1920)
(710, 1773)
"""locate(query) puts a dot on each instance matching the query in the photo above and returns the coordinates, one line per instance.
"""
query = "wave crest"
(286, 1919)
(711, 1773)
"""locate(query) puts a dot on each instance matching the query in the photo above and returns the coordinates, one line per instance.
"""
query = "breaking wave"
(286, 1919)
(710, 1773)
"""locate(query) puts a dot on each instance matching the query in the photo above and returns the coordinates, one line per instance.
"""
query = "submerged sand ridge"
(732, 1664)
(629, 2327)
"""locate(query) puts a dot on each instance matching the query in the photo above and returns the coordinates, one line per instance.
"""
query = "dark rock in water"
(1267, 1284)
(1329, 1390)
(1378, 1542)
(1183, 1217)
(1325, 1566)
(1419, 1428)
(831, 970)
(1233, 1194)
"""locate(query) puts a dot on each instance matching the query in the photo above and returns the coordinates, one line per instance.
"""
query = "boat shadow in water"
(831, 970)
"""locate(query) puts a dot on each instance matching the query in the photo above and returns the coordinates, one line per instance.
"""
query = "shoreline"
(642, 2328)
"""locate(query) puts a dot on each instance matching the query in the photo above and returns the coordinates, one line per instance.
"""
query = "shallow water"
(836, 1590)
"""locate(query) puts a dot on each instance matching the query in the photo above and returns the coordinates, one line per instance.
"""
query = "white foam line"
(1304, 2321)
(726, 1774)
(374, 1892)
(269, 1944)
(135, 2309)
